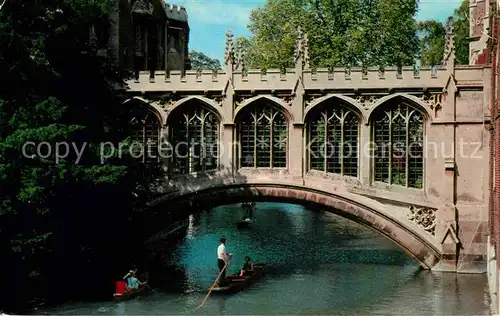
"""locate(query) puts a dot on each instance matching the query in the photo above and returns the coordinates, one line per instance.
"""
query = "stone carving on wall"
(218, 99)
(434, 100)
(309, 99)
(238, 100)
(367, 101)
(287, 99)
(166, 105)
(167, 101)
(423, 217)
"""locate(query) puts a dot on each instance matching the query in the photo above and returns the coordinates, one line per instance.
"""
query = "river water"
(316, 263)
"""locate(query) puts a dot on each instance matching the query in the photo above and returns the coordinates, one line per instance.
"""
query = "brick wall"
(495, 153)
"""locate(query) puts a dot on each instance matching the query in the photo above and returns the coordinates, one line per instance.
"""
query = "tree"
(340, 33)
(432, 38)
(461, 31)
(60, 219)
(432, 35)
(202, 61)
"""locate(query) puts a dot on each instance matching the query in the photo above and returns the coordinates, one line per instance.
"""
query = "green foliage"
(432, 36)
(461, 31)
(341, 33)
(202, 61)
(58, 90)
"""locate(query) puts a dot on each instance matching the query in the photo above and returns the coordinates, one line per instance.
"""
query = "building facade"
(484, 50)
(146, 35)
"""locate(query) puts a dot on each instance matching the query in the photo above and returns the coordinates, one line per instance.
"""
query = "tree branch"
(3, 3)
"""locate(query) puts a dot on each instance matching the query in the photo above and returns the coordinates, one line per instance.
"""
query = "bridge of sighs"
(402, 150)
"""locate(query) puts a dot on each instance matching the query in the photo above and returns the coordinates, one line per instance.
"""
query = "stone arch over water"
(366, 212)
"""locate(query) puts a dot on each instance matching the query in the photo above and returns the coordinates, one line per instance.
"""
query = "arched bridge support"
(417, 230)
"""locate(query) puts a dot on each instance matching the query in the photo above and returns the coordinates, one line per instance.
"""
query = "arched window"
(398, 146)
(145, 134)
(333, 141)
(263, 135)
(194, 138)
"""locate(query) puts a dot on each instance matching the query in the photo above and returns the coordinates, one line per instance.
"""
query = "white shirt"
(221, 251)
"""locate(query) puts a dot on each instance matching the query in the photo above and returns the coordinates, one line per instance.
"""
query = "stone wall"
(165, 35)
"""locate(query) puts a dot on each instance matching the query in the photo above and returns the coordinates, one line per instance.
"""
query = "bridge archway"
(367, 214)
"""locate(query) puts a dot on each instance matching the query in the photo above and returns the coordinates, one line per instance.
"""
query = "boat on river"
(117, 297)
(235, 283)
(247, 222)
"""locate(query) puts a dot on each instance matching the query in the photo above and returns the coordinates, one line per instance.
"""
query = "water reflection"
(316, 264)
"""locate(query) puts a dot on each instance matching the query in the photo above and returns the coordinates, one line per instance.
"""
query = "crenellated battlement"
(312, 79)
(176, 12)
(374, 78)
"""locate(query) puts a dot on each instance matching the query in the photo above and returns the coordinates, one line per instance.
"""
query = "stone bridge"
(402, 150)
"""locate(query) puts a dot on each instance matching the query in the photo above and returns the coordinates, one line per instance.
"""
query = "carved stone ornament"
(309, 99)
(433, 100)
(238, 100)
(367, 101)
(423, 217)
(287, 99)
(166, 102)
(218, 99)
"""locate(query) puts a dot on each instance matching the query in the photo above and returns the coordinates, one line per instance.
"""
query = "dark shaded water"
(317, 263)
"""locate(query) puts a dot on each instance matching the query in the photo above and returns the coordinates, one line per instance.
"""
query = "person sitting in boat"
(132, 282)
(249, 211)
(120, 288)
(247, 267)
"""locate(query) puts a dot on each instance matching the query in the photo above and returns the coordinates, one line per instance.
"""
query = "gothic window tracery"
(263, 137)
(194, 139)
(333, 140)
(145, 135)
(398, 146)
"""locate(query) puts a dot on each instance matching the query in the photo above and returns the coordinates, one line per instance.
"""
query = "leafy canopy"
(201, 61)
(56, 214)
(349, 33)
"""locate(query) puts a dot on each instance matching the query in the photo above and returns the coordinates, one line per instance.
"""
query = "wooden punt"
(133, 294)
(244, 224)
(235, 283)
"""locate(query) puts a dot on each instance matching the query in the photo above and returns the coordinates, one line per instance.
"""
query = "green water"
(317, 263)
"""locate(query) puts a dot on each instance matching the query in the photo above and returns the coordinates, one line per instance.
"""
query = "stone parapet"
(175, 12)
(321, 79)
